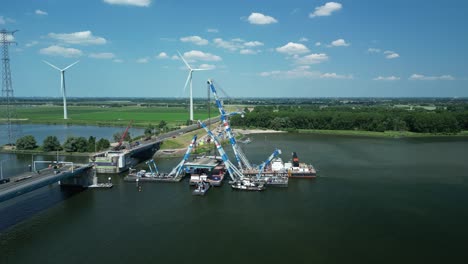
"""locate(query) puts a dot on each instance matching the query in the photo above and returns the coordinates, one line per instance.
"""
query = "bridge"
(117, 161)
(82, 175)
(68, 175)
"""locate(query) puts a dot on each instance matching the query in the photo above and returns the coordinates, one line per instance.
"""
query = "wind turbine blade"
(51, 65)
(201, 69)
(186, 82)
(70, 65)
(186, 64)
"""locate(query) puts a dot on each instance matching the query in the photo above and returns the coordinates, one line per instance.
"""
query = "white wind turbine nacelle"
(62, 81)
(189, 78)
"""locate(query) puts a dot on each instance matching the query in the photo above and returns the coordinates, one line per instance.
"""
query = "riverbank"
(392, 134)
(258, 131)
(40, 152)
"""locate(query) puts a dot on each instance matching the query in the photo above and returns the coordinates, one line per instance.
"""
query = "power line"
(7, 87)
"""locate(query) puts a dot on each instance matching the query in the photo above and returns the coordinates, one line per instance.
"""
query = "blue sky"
(255, 48)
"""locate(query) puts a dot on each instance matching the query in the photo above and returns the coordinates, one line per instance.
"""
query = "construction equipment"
(267, 161)
(242, 161)
(123, 136)
(176, 172)
(152, 166)
(234, 172)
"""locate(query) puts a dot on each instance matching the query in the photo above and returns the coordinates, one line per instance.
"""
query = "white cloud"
(40, 12)
(373, 50)
(326, 10)
(336, 76)
(207, 66)
(420, 77)
(32, 43)
(117, 60)
(247, 52)
(304, 72)
(391, 54)
(261, 19)
(212, 30)
(293, 48)
(230, 45)
(82, 38)
(143, 60)
(340, 43)
(175, 57)
(200, 55)
(389, 78)
(102, 55)
(317, 44)
(303, 39)
(162, 55)
(314, 58)
(195, 40)
(253, 44)
(56, 50)
(142, 3)
(298, 72)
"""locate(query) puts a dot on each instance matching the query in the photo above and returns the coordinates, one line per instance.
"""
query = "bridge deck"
(31, 181)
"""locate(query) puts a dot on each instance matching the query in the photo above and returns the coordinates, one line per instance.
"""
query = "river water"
(375, 201)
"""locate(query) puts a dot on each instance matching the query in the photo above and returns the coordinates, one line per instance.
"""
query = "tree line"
(71, 144)
(81, 144)
(366, 119)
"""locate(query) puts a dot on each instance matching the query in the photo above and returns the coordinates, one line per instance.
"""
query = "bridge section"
(117, 161)
(69, 175)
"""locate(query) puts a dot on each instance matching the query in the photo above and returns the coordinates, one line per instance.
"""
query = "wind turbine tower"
(189, 78)
(62, 80)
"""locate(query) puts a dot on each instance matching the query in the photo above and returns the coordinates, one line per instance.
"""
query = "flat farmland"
(96, 115)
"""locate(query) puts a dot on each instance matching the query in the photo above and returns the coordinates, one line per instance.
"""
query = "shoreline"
(385, 134)
(259, 131)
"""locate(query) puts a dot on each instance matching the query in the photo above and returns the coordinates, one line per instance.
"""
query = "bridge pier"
(84, 179)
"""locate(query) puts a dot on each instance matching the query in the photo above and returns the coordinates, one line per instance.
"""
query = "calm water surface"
(376, 201)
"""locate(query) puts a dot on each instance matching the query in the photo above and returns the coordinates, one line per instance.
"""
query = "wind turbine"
(62, 79)
(189, 77)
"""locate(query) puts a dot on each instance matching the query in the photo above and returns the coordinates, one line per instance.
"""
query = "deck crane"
(152, 166)
(242, 160)
(234, 172)
(267, 161)
(178, 169)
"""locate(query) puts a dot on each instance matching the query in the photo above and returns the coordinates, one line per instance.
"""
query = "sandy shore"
(258, 131)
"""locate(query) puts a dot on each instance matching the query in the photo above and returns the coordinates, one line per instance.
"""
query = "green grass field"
(113, 116)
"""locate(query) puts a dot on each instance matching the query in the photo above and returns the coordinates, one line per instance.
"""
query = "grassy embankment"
(183, 141)
(109, 116)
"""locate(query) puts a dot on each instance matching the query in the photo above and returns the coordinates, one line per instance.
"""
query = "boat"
(217, 176)
(276, 181)
(299, 170)
(202, 188)
(208, 169)
(196, 178)
(247, 185)
(144, 176)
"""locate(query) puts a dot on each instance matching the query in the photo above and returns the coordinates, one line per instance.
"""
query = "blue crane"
(242, 160)
(234, 173)
(267, 161)
(178, 169)
(152, 166)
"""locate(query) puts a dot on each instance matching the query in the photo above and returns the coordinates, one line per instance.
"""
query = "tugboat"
(202, 188)
(300, 170)
(247, 185)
